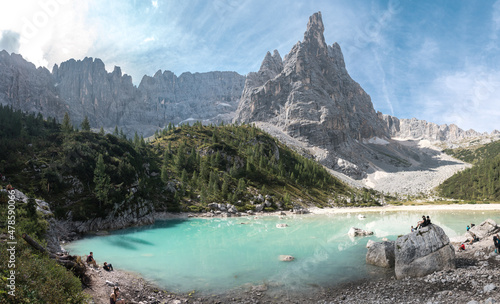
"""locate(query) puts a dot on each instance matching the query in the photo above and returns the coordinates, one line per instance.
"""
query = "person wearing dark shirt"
(108, 267)
(91, 261)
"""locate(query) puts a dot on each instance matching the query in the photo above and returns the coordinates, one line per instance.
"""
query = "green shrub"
(194, 208)
(249, 207)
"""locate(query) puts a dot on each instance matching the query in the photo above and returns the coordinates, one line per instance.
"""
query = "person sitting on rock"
(428, 221)
(114, 298)
(462, 247)
(468, 228)
(419, 224)
(472, 225)
(107, 267)
(474, 238)
(413, 229)
(91, 261)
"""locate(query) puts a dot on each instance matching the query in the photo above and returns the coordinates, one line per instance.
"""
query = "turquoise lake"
(216, 255)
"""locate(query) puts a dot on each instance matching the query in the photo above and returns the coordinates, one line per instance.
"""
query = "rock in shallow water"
(286, 258)
(358, 232)
(381, 254)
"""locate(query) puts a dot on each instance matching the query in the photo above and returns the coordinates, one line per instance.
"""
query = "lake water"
(216, 255)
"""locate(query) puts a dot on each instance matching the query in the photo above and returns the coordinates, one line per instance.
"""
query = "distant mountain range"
(84, 88)
(307, 97)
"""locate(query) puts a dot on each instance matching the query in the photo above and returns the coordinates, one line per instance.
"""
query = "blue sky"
(433, 60)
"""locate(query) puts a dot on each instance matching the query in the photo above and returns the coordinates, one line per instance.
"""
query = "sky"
(432, 60)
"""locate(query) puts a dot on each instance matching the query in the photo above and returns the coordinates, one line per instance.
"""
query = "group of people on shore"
(91, 261)
(426, 221)
(474, 238)
(114, 297)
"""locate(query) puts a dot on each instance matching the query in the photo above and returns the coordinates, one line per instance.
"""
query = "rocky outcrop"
(27, 88)
(381, 254)
(358, 232)
(415, 129)
(423, 252)
(121, 217)
(486, 228)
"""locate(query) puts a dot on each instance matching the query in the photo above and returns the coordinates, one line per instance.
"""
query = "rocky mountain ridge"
(84, 88)
(452, 135)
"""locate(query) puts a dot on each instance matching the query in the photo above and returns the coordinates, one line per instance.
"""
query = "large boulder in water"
(422, 252)
(358, 232)
(381, 254)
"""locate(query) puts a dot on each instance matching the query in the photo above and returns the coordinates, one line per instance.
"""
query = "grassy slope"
(242, 155)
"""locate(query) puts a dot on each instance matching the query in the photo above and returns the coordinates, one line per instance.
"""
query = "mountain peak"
(314, 32)
(315, 22)
(272, 63)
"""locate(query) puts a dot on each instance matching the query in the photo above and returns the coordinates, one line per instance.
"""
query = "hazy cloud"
(467, 98)
(9, 41)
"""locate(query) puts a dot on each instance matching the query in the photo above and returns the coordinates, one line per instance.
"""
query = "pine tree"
(122, 135)
(225, 186)
(66, 125)
(241, 185)
(115, 132)
(101, 131)
(184, 177)
(102, 181)
(85, 124)
(137, 140)
(164, 170)
(194, 180)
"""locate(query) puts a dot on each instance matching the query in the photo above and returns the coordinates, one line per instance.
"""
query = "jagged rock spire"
(310, 95)
(314, 33)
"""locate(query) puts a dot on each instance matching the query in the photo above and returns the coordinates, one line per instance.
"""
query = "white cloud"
(154, 3)
(469, 98)
(50, 31)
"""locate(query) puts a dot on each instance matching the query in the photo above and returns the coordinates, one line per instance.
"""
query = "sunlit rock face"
(310, 96)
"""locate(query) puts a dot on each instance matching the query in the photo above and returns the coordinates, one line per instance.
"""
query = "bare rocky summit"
(310, 96)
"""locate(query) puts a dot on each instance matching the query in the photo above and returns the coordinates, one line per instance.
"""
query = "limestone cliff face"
(310, 95)
(416, 129)
(84, 88)
(209, 96)
(27, 88)
(88, 89)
